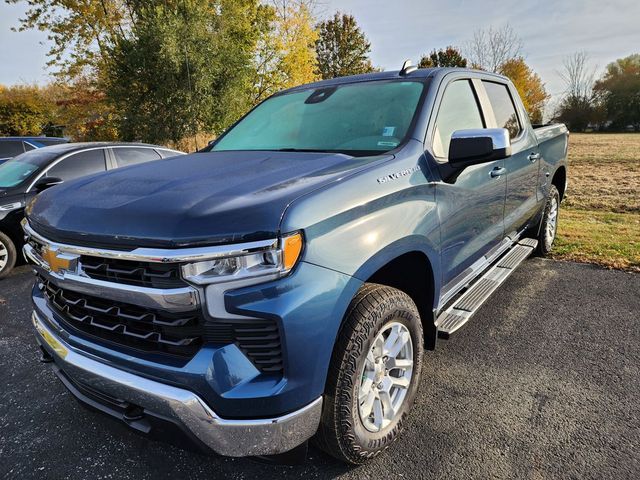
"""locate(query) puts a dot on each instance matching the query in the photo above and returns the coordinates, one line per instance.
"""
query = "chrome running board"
(469, 302)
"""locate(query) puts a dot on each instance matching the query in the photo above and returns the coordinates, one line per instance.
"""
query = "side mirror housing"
(46, 182)
(475, 146)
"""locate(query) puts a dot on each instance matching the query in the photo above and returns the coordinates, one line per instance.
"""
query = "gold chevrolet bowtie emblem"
(57, 261)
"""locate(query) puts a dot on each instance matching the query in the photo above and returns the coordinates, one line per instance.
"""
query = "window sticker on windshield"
(387, 144)
(388, 131)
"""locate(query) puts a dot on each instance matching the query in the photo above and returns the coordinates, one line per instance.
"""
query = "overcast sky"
(400, 29)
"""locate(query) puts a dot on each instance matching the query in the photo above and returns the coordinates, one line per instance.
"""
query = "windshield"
(21, 168)
(359, 119)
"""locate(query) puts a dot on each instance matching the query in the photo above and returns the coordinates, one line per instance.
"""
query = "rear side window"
(79, 165)
(11, 148)
(28, 147)
(503, 107)
(458, 111)
(167, 153)
(132, 156)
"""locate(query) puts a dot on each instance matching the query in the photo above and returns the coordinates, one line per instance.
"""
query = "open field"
(600, 221)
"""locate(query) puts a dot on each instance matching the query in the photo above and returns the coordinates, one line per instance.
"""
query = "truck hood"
(199, 199)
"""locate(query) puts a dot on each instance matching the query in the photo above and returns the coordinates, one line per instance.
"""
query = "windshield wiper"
(312, 150)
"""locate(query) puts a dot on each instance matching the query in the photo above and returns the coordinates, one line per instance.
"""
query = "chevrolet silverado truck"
(284, 284)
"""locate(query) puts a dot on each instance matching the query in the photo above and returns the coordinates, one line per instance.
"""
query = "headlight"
(273, 262)
(10, 206)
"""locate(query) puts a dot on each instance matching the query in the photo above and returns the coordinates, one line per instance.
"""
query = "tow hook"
(45, 357)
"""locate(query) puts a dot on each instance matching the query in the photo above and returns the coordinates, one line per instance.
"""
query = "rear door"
(522, 167)
(471, 207)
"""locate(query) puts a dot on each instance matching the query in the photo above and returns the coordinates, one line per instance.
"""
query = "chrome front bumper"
(234, 438)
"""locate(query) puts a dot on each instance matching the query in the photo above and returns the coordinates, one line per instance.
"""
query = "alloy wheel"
(386, 376)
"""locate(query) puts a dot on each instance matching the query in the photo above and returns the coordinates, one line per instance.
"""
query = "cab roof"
(420, 73)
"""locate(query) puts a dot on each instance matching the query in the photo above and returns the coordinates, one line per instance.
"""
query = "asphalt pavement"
(542, 383)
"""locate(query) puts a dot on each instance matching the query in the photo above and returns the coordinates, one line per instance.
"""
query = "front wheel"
(374, 375)
(549, 222)
(7, 255)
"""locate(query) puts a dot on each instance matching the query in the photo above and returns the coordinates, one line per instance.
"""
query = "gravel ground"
(542, 383)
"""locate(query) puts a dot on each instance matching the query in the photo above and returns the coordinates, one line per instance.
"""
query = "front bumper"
(181, 407)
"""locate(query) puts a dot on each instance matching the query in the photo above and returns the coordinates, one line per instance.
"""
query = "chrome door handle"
(533, 157)
(496, 172)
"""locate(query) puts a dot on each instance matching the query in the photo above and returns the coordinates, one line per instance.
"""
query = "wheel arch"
(559, 180)
(412, 268)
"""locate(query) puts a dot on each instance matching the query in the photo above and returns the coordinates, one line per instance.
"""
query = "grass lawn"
(600, 218)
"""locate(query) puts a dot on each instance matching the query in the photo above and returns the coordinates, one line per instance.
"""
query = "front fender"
(358, 225)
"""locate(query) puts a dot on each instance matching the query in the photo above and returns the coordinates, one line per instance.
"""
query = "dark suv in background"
(13, 146)
(24, 176)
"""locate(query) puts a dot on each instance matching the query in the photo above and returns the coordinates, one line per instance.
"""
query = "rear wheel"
(549, 222)
(374, 375)
(7, 255)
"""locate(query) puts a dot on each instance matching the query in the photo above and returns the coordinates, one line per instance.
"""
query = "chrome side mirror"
(475, 146)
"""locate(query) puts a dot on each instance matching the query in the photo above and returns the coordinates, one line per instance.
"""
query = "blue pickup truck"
(285, 284)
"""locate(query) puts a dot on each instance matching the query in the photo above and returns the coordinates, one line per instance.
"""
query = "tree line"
(163, 71)
(608, 103)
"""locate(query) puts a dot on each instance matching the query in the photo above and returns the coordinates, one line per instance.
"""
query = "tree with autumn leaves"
(172, 68)
(529, 86)
(163, 70)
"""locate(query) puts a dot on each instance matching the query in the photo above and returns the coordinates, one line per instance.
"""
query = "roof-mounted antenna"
(407, 68)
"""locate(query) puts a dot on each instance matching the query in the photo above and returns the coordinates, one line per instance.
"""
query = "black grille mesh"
(142, 274)
(127, 324)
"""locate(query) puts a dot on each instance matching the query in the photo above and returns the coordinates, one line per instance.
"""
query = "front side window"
(358, 119)
(503, 107)
(79, 165)
(458, 111)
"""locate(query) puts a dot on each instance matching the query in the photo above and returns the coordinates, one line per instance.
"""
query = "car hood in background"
(199, 199)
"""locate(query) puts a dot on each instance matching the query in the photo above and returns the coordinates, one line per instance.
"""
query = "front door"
(471, 208)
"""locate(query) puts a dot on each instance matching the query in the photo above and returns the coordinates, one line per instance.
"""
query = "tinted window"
(132, 156)
(458, 111)
(28, 147)
(503, 108)
(358, 118)
(78, 165)
(11, 148)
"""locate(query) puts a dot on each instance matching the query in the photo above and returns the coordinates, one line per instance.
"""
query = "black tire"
(7, 255)
(545, 240)
(342, 432)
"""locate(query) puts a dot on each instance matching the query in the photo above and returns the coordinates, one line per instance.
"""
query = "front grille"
(178, 335)
(128, 325)
(142, 274)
